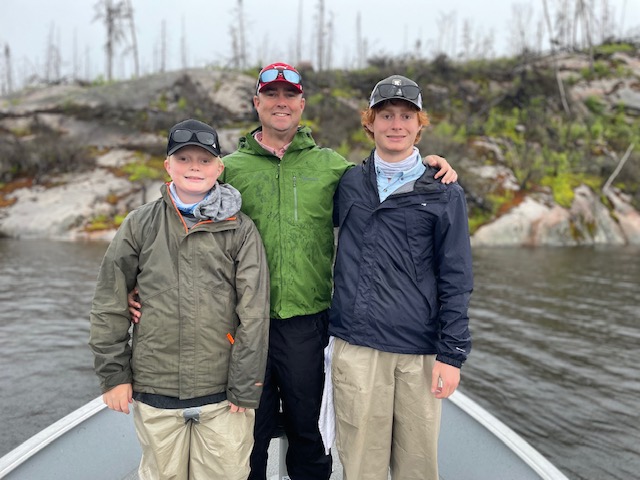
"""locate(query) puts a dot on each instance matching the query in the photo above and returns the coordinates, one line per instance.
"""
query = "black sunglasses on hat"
(193, 132)
(396, 86)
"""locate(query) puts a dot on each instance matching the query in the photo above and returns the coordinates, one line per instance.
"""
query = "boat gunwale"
(514, 442)
(48, 435)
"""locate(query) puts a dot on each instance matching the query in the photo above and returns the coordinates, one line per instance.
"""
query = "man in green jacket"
(287, 184)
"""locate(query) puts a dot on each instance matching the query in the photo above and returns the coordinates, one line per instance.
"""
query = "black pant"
(295, 376)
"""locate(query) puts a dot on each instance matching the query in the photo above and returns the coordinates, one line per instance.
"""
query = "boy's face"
(395, 129)
(279, 107)
(194, 172)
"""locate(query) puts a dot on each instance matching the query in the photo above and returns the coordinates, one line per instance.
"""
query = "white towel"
(327, 421)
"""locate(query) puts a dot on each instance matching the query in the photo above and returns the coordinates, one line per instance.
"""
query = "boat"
(96, 443)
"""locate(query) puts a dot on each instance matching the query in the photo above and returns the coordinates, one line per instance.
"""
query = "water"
(46, 368)
(556, 341)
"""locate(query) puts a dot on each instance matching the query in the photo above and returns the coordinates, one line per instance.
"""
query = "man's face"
(279, 108)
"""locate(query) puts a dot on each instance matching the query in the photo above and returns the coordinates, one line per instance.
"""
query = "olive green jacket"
(291, 203)
(196, 287)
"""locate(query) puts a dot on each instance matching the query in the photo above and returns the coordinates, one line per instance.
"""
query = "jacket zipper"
(295, 199)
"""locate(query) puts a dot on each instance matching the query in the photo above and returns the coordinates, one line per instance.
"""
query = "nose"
(396, 123)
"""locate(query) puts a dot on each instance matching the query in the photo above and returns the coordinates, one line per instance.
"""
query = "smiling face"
(279, 108)
(395, 129)
(194, 172)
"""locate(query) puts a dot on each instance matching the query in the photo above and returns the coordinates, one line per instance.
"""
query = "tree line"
(563, 25)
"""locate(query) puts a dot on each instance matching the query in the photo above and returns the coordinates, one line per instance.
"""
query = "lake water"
(555, 356)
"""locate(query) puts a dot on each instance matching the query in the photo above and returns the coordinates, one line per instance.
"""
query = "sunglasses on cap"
(387, 90)
(273, 73)
(183, 136)
(208, 140)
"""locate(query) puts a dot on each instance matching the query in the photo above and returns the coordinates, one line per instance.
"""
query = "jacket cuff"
(449, 361)
(115, 380)
(243, 402)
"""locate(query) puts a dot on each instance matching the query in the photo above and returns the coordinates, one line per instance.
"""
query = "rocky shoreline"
(120, 122)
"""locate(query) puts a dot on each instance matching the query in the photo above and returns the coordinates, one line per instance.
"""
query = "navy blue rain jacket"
(403, 274)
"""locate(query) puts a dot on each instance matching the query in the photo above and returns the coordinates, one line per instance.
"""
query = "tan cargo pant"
(217, 446)
(387, 419)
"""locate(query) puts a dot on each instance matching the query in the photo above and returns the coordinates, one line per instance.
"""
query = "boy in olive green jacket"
(194, 368)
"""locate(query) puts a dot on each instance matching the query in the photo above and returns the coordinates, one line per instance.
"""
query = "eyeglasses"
(183, 136)
(387, 90)
(273, 73)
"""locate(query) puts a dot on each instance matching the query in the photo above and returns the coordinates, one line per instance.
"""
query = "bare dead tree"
(602, 27)
(53, 60)
(111, 14)
(298, 46)
(8, 84)
(183, 45)
(519, 27)
(128, 15)
(486, 48)
(238, 45)
(163, 46)
(87, 62)
(235, 47)
(76, 56)
(446, 33)
(359, 42)
(552, 44)
(330, 37)
(241, 35)
(539, 35)
(320, 36)
(623, 160)
(416, 46)
(467, 39)
(562, 37)
(584, 13)
(454, 35)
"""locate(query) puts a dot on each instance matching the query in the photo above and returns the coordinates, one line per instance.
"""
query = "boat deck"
(99, 444)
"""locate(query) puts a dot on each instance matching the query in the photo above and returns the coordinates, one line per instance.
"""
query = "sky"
(198, 32)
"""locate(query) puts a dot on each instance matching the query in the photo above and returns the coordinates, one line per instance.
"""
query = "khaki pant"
(217, 446)
(387, 419)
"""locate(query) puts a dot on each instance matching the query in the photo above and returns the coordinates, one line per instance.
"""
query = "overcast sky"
(389, 27)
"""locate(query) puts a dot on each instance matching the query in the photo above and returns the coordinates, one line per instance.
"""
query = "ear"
(167, 165)
(303, 102)
(256, 101)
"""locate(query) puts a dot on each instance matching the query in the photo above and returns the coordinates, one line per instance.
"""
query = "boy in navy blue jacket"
(403, 280)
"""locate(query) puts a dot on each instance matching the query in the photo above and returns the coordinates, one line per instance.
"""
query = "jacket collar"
(426, 183)
(301, 141)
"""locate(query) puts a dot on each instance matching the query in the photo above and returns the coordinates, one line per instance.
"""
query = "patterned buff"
(223, 202)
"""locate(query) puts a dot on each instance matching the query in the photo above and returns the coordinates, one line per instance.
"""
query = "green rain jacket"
(196, 287)
(291, 202)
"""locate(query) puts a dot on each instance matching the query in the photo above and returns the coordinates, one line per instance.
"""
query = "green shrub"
(595, 105)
